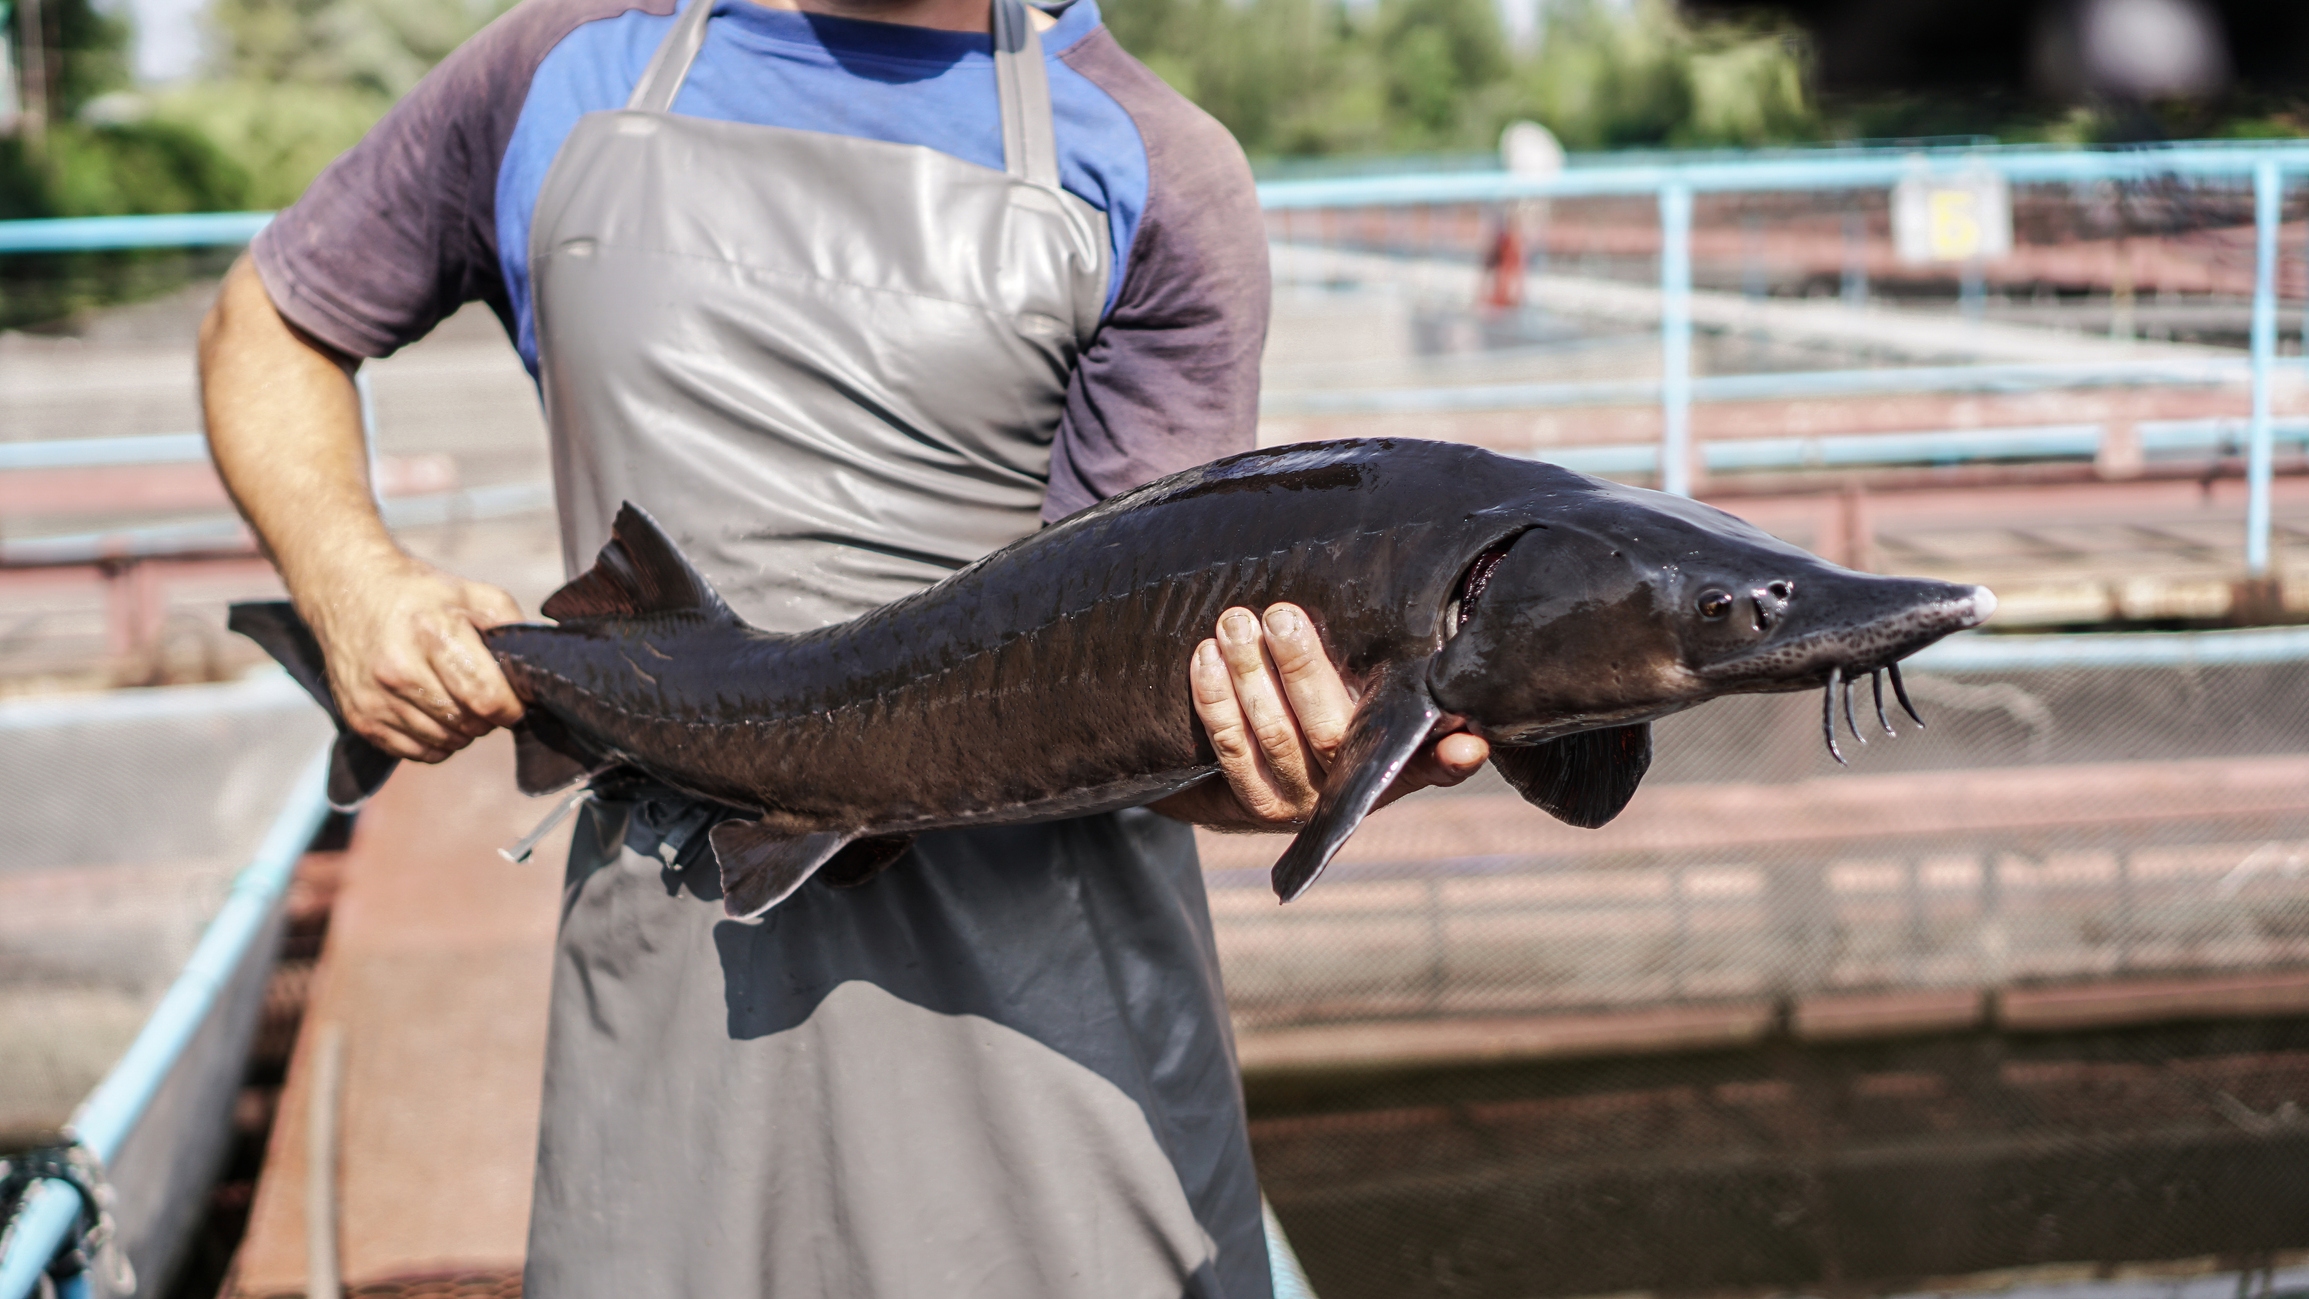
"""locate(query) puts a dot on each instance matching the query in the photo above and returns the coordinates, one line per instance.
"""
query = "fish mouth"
(1872, 650)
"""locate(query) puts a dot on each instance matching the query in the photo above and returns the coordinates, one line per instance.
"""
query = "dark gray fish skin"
(1553, 613)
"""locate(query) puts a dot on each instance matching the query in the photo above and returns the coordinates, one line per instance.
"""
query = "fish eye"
(1715, 603)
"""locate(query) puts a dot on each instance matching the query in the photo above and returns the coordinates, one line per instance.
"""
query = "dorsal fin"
(639, 572)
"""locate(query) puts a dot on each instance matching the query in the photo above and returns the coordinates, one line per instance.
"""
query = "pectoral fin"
(864, 859)
(761, 867)
(1386, 733)
(1582, 779)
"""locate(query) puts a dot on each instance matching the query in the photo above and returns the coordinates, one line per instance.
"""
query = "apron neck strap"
(669, 67)
(1029, 142)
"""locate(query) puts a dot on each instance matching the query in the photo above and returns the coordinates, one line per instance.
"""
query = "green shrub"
(1300, 77)
(279, 134)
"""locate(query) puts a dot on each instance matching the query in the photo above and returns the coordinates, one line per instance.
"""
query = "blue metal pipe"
(1828, 170)
(227, 536)
(1290, 1278)
(2268, 196)
(1790, 385)
(37, 1234)
(90, 234)
(1824, 169)
(111, 1112)
(1676, 340)
(1946, 447)
(1955, 446)
(2163, 439)
(2215, 435)
(1795, 169)
(89, 453)
(1974, 652)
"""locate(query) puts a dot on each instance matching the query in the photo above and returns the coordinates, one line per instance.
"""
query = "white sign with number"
(1964, 218)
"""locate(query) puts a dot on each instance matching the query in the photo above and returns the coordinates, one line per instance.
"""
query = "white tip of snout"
(1983, 604)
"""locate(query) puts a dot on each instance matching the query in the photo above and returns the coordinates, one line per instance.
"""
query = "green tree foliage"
(1298, 77)
(90, 163)
(278, 136)
(378, 47)
(294, 83)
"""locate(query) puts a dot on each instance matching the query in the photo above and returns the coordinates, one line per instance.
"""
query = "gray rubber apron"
(833, 367)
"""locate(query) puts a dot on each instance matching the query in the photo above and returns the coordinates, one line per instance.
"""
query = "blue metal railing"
(1795, 170)
(1973, 652)
(99, 453)
(1672, 181)
(2264, 165)
(108, 234)
(1999, 378)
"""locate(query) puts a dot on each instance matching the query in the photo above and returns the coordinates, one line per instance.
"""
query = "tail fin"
(548, 757)
(357, 768)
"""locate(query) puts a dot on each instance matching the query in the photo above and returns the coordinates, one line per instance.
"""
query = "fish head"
(1625, 605)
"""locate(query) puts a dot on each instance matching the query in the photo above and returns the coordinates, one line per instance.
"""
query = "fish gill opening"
(1469, 592)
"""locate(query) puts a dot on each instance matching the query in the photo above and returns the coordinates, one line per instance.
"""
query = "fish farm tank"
(129, 815)
(2018, 1003)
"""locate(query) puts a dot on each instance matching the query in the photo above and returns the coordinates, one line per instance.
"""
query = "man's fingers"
(490, 606)
(1460, 755)
(401, 728)
(1317, 696)
(417, 703)
(396, 742)
(1242, 643)
(469, 672)
(1447, 762)
(1241, 763)
(1221, 713)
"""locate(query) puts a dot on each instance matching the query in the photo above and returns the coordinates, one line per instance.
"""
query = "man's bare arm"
(406, 662)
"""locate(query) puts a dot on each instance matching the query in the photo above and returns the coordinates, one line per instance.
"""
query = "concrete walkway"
(436, 974)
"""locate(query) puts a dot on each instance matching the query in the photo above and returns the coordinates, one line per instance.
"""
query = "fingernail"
(1207, 654)
(1238, 626)
(1283, 622)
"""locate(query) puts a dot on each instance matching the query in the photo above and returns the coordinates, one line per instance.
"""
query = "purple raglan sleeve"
(1172, 377)
(401, 230)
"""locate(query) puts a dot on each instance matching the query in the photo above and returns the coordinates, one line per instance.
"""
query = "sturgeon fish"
(1554, 614)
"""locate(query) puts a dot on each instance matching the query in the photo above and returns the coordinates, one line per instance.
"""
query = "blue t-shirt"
(810, 72)
(433, 208)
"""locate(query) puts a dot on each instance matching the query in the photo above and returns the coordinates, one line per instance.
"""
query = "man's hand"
(406, 663)
(1277, 712)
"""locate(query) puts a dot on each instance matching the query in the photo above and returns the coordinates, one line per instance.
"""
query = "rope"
(94, 1242)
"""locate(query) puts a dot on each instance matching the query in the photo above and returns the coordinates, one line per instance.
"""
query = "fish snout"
(1983, 606)
(1790, 634)
(1962, 608)
(1930, 611)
